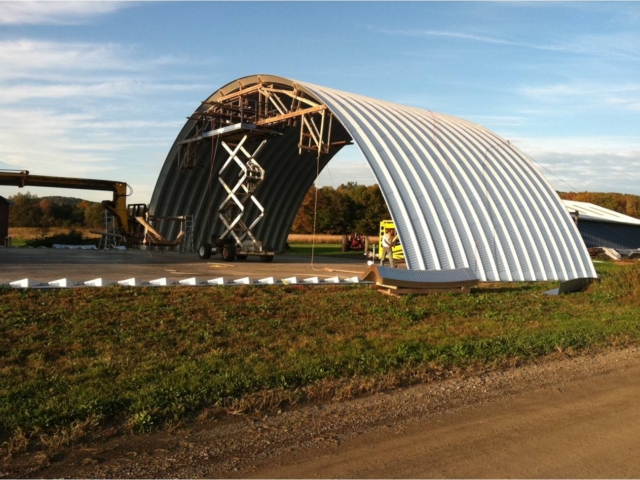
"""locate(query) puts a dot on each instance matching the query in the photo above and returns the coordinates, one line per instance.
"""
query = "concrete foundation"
(84, 265)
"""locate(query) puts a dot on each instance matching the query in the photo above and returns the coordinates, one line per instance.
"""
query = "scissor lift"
(237, 240)
(248, 115)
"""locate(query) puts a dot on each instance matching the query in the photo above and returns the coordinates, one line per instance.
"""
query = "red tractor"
(355, 242)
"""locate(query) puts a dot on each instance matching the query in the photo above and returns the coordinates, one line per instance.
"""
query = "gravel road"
(577, 417)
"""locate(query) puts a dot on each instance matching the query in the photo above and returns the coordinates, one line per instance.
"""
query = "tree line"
(348, 208)
(624, 203)
(29, 210)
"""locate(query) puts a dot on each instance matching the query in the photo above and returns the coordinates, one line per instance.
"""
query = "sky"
(101, 90)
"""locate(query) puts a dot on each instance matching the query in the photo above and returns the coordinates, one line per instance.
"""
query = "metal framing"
(232, 208)
(460, 196)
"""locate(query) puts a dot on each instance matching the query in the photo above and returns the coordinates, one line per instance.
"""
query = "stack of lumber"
(392, 281)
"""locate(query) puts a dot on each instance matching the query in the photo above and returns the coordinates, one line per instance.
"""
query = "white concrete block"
(243, 281)
(311, 280)
(25, 283)
(290, 280)
(98, 282)
(190, 281)
(266, 281)
(216, 281)
(352, 280)
(130, 282)
(161, 282)
(62, 283)
(332, 280)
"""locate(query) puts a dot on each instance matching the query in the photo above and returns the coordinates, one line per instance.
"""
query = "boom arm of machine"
(117, 207)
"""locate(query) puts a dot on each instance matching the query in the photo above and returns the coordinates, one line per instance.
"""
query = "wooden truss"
(267, 108)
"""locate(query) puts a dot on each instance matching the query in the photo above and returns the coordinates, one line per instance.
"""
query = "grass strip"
(323, 249)
(79, 358)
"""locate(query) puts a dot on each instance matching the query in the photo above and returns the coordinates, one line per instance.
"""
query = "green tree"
(25, 211)
(93, 214)
(337, 216)
(350, 207)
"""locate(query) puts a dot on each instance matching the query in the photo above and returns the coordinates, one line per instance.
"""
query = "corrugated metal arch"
(460, 195)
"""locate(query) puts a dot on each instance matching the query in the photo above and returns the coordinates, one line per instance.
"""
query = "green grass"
(324, 250)
(142, 357)
(18, 242)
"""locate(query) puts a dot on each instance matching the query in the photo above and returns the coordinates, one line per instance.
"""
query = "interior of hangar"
(460, 196)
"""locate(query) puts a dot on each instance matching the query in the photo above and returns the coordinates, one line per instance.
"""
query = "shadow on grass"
(532, 287)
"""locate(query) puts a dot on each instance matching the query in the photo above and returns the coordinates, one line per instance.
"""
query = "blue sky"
(101, 90)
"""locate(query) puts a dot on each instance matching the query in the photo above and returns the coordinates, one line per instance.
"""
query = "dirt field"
(575, 417)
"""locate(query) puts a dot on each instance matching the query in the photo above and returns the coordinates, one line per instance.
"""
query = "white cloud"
(622, 95)
(600, 164)
(620, 45)
(111, 89)
(28, 59)
(91, 110)
(597, 172)
(577, 145)
(73, 70)
(33, 58)
(578, 89)
(58, 13)
(442, 33)
(90, 144)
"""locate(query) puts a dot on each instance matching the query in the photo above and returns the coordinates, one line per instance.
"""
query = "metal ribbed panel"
(596, 213)
(460, 196)
(421, 276)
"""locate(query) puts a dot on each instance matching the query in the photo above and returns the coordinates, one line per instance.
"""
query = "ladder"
(188, 245)
(109, 241)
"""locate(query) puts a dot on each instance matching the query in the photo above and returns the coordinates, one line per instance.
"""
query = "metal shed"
(601, 227)
(460, 196)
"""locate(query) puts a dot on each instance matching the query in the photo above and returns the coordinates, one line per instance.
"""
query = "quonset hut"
(601, 227)
(460, 196)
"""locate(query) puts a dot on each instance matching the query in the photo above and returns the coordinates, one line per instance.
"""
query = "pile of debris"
(607, 253)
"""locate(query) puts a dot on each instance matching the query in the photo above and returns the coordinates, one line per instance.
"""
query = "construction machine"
(398, 252)
(133, 221)
(355, 242)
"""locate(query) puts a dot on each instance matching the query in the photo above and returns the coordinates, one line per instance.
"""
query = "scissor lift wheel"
(204, 252)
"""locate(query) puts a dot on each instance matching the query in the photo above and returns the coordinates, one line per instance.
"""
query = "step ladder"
(188, 245)
(109, 241)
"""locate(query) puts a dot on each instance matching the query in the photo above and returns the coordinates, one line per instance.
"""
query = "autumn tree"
(350, 207)
(25, 211)
(624, 203)
(30, 211)
(93, 214)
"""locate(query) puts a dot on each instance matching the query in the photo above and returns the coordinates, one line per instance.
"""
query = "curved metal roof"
(460, 195)
(596, 213)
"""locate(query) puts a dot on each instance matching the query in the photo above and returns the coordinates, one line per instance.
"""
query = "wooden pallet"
(419, 282)
(397, 291)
